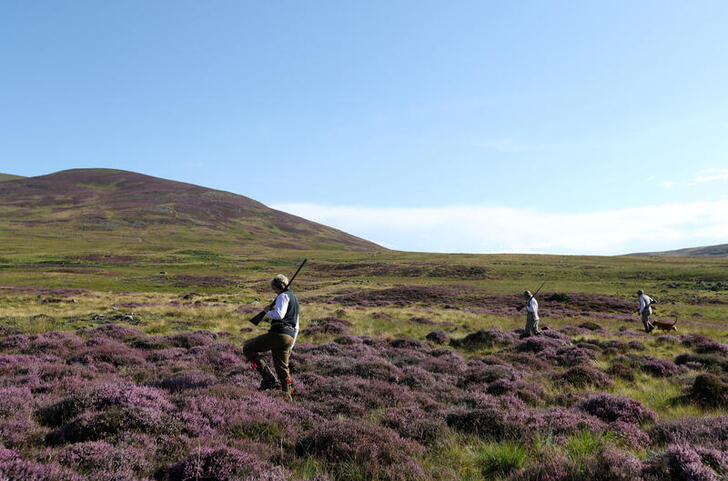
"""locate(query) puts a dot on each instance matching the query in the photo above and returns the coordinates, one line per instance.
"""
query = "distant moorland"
(123, 308)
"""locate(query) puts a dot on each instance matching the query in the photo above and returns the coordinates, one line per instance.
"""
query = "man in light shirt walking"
(531, 315)
(645, 309)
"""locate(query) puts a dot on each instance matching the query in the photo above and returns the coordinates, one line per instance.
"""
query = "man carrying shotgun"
(280, 338)
(531, 313)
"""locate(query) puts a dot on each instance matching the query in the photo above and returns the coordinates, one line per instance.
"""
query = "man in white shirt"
(531, 314)
(645, 309)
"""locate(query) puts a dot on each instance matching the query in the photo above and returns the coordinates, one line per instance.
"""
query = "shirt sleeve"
(280, 309)
(532, 305)
(642, 304)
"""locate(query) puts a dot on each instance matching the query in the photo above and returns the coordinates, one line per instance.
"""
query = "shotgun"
(259, 317)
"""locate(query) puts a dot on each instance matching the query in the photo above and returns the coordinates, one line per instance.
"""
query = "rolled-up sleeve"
(280, 309)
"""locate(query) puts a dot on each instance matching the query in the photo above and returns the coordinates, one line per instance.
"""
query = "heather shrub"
(100, 350)
(559, 422)
(117, 332)
(60, 343)
(501, 459)
(192, 379)
(485, 338)
(438, 337)
(93, 456)
(710, 391)
(582, 376)
(540, 343)
(328, 325)
(709, 431)
(611, 464)
(378, 451)
(480, 373)
(19, 469)
(151, 343)
(137, 400)
(444, 361)
(223, 464)
(678, 462)
(609, 408)
(715, 459)
(413, 423)
(629, 435)
(711, 362)
(661, 368)
(572, 356)
(489, 417)
(191, 339)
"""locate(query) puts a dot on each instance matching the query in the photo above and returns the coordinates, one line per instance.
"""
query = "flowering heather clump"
(679, 461)
(192, 339)
(485, 338)
(612, 464)
(709, 431)
(717, 460)
(629, 435)
(192, 379)
(438, 337)
(369, 367)
(480, 373)
(128, 397)
(413, 423)
(490, 417)
(60, 343)
(570, 356)
(560, 422)
(711, 346)
(712, 362)
(610, 407)
(117, 332)
(223, 464)
(151, 342)
(692, 340)
(220, 356)
(444, 361)
(540, 343)
(94, 456)
(20, 469)
(102, 350)
(379, 451)
(661, 368)
(582, 376)
(328, 325)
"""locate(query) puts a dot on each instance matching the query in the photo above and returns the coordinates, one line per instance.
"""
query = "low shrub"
(610, 408)
(709, 391)
(438, 337)
(679, 461)
(582, 376)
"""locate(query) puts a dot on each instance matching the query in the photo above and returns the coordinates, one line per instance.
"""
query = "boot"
(287, 389)
(269, 379)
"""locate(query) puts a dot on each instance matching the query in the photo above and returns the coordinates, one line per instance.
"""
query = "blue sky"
(366, 115)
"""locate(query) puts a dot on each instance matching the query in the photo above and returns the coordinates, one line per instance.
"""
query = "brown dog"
(664, 326)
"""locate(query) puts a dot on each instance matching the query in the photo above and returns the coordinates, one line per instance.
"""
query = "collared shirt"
(533, 307)
(280, 309)
(645, 302)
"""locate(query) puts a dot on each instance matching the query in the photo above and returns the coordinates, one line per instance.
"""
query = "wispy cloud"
(705, 175)
(711, 175)
(502, 229)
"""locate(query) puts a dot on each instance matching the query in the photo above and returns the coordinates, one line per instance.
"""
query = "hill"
(105, 209)
(720, 250)
(4, 177)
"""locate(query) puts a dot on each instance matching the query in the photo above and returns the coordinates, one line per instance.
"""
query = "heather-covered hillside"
(102, 208)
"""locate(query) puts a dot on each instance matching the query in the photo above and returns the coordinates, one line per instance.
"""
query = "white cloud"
(705, 175)
(476, 229)
(711, 175)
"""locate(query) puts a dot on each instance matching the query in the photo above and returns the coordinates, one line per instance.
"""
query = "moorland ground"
(408, 366)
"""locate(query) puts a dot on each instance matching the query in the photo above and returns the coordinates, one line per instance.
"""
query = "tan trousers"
(280, 347)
